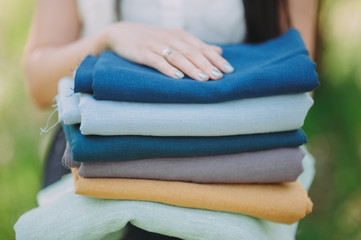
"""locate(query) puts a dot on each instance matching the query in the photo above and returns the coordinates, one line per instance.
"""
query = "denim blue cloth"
(85, 71)
(278, 66)
(89, 148)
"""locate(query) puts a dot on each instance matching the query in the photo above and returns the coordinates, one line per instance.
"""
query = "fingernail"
(228, 67)
(202, 75)
(178, 74)
(216, 74)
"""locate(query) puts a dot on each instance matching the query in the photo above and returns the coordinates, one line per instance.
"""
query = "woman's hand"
(170, 51)
(54, 48)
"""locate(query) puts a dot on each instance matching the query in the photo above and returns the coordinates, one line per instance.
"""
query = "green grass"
(333, 125)
(21, 146)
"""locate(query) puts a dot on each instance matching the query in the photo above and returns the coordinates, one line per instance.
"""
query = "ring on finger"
(166, 52)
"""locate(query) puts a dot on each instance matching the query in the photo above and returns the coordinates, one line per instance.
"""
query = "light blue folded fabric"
(67, 101)
(246, 116)
(65, 215)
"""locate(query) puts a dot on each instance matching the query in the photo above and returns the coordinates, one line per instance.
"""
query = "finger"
(189, 38)
(218, 61)
(158, 62)
(219, 50)
(199, 46)
(198, 59)
(180, 62)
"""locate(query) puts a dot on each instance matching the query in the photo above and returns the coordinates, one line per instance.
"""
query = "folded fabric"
(268, 114)
(67, 158)
(246, 116)
(269, 166)
(279, 66)
(85, 71)
(64, 215)
(67, 101)
(283, 202)
(114, 148)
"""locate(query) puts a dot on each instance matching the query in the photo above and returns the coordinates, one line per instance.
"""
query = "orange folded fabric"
(284, 203)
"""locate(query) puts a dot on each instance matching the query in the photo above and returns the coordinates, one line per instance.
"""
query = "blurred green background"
(333, 125)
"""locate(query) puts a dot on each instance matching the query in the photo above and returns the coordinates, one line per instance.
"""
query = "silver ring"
(166, 52)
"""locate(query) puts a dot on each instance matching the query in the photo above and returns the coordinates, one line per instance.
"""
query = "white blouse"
(215, 21)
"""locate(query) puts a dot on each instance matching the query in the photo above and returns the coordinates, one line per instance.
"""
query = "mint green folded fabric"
(65, 215)
(246, 116)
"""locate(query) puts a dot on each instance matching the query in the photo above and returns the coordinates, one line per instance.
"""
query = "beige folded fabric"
(284, 203)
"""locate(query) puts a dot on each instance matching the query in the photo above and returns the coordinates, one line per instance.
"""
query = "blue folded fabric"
(279, 66)
(85, 71)
(91, 148)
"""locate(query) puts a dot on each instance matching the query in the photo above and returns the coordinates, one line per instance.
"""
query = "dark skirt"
(54, 169)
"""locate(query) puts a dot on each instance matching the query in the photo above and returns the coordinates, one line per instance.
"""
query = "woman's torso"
(210, 20)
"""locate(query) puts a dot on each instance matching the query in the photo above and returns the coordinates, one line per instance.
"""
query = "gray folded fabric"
(269, 166)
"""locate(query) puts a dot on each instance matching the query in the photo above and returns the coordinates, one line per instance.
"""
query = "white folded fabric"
(68, 102)
(246, 116)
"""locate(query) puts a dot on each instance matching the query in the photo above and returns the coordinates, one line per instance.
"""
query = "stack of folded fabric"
(216, 150)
